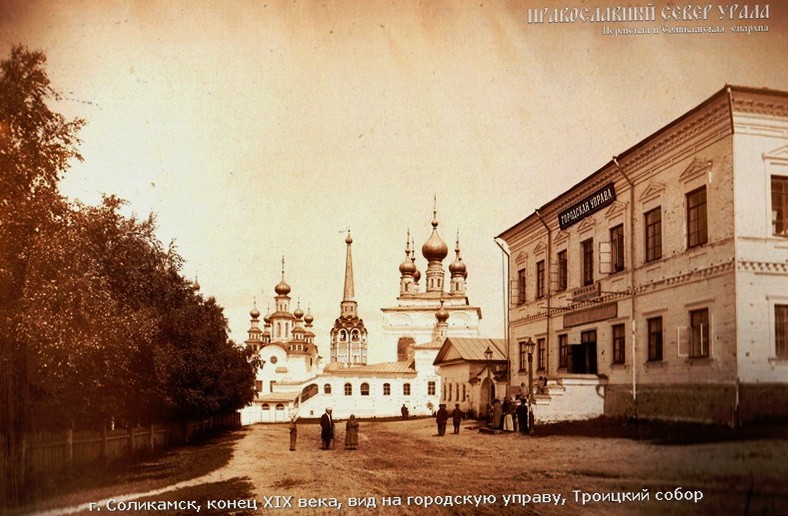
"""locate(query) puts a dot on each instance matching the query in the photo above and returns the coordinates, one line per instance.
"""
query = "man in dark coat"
(326, 429)
(456, 417)
(522, 417)
(404, 411)
(441, 418)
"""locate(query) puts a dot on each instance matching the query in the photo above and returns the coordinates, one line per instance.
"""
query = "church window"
(348, 389)
(274, 360)
(406, 389)
(365, 389)
(327, 388)
(386, 389)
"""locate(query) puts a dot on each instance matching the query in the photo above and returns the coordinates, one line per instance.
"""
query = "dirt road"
(555, 471)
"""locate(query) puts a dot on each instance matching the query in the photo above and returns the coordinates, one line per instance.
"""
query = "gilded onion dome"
(255, 313)
(282, 288)
(298, 313)
(457, 267)
(442, 315)
(434, 249)
(267, 318)
(308, 318)
(407, 267)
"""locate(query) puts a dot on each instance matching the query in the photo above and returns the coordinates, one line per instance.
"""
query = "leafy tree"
(36, 146)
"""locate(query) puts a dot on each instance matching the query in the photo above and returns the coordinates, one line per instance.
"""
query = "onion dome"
(457, 267)
(282, 288)
(407, 267)
(298, 313)
(255, 313)
(442, 315)
(349, 239)
(434, 249)
(267, 318)
(196, 285)
(308, 318)
(416, 276)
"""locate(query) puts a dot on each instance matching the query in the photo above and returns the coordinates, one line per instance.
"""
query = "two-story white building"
(657, 287)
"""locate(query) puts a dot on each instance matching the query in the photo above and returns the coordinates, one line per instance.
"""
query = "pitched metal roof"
(337, 368)
(472, 349)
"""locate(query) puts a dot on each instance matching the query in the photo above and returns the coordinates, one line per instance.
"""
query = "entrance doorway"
(582, 357)
(487, 393)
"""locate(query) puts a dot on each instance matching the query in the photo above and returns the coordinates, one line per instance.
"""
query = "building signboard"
(585, 293)
(593, 314)
(594, 202)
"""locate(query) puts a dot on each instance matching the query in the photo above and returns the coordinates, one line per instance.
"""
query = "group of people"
(442, 417)
(328, 432)
(509, 416)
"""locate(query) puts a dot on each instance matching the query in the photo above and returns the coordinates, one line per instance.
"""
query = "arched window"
(266, 406)
(348, 389)
(327, 388)
(365, 389)
(406, 389)
(386, 389)
(279, 406)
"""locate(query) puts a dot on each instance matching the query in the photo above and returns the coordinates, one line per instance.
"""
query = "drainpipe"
(505, 279)
(549, 269)
(631, 282)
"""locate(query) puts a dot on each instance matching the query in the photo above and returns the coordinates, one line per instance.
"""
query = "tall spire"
(349, 293)
(348, 305)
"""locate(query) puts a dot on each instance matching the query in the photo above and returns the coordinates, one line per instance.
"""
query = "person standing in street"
(351, 433)
(456, 417)
(293, 432)
(522, 417)
(441, 418)
(326, 429)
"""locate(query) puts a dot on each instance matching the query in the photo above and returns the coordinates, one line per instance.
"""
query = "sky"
(261, 129)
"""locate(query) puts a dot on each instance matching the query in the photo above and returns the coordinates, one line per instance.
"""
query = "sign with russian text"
(594, 202)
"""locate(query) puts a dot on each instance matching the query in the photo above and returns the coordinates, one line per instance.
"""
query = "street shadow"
(140, 473)
(663, 433)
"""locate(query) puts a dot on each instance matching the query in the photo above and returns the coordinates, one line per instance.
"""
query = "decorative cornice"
(617, 208)
(780, 268)
(779, 155)
(687, 277)
(761, 105)
(696, 169)
(652, 191)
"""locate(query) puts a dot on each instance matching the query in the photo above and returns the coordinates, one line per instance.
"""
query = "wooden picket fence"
(49, 454)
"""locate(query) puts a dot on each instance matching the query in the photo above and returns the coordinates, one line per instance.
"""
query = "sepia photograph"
(398, 257)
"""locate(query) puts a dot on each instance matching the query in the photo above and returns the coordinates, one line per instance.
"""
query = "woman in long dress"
(351, 433)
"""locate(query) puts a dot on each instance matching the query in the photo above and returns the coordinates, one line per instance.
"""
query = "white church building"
(294, 380)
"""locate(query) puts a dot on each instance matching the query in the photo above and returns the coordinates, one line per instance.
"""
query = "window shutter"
(553, 281)
(513, 293)
(683, 340)
(605, 255)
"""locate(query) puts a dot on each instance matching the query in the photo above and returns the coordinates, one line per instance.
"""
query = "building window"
(443, 392)
(654, 339)
(780, 205)
(406, 389)
(588, 261)
(430, 388)
(541, 355)
(617, 248)
(521, 286)
(348, 389)
(273, 360)
(563, 351)
(781, 330)
(258, 385)
(386, 389)
(699, 333)
(563, 270)
(279, 406)
(523, 358)
(365, 389)
(697, 228)
(540, 279)
(266, 406)
(327, 388)
(619, 344)
(653, 223)
(448, 392)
